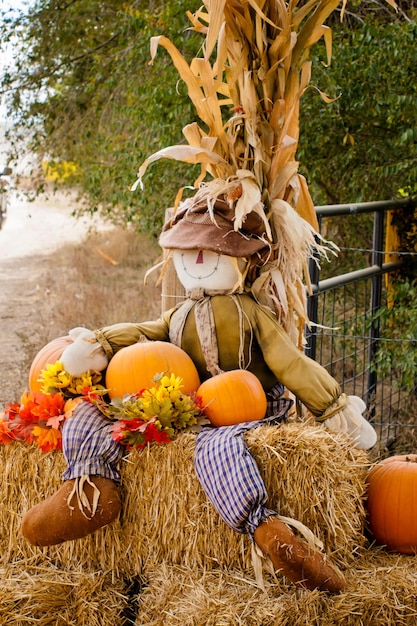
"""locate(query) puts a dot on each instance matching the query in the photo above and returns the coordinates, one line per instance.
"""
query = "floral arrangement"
(156, 414)
(39, 417)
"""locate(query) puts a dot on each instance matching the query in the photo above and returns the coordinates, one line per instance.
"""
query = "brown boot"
(294, 558)
(66, 515)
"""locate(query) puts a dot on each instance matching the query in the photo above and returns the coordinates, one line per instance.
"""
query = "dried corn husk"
(246, 88)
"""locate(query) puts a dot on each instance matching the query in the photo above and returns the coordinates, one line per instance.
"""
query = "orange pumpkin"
(49, 354)
(392, 503)
(233, 397)
(133, 368)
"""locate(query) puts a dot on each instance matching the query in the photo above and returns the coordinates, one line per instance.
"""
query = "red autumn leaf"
(138, 425)
(22, 429)
(11, 409)
(6, 435)
(153, 434)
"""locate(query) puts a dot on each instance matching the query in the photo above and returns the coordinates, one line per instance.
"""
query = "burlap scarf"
(200, 301)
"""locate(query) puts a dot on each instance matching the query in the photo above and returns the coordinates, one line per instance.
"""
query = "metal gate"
(345, 334)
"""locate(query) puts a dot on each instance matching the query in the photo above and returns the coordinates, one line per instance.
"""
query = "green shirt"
(268, 351)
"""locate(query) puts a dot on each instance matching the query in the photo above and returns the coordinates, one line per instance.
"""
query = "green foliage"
(362, 146)
(89, 96)
(398, 348)
(83, 92)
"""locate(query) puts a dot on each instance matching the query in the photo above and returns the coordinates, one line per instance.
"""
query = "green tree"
(362, 146)
(84, 90)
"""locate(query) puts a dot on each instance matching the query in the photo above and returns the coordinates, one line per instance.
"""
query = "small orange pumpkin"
(392, 503)
(233, 397)
(133, 368)
(49, 354)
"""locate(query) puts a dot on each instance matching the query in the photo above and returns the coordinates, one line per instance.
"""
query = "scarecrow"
(239, 246)
(222, 328)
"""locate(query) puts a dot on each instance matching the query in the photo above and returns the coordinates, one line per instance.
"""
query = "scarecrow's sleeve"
(113, 338)
(305, 378)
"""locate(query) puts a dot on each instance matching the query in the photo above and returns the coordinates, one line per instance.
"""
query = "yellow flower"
(162, 409)
(52, 370)
(54, 378)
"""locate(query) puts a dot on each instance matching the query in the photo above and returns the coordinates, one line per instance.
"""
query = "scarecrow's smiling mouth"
(206, 264)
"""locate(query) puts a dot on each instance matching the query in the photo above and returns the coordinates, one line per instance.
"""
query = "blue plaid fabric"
(229, 474)
(88, 446)
(230, 477)
(277, 405)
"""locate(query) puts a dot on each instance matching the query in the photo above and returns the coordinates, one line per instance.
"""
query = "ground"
(58, 272)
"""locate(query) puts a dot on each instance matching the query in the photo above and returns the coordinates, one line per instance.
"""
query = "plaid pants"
(228, 472)
(224, 466)
(88, 446)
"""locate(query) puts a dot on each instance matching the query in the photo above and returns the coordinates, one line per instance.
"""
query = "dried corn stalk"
(246, 89)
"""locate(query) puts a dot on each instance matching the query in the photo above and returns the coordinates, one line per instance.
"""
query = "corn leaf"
(187, 154)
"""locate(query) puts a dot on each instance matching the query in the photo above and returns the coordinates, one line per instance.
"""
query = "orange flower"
(71, 405)
(11, 409)
(29, 406)
(48, 438)
(50, 406)
(6, 435)
(39, 417)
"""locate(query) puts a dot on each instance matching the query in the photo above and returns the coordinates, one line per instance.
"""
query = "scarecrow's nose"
(200, 258)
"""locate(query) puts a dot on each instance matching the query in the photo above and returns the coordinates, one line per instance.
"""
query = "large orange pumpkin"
(392, 503)
(133, 368)
(49, 354)
(233, 397)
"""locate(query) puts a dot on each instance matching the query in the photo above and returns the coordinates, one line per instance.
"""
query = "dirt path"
(31, 235)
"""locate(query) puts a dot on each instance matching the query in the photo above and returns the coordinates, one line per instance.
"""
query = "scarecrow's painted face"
(205, 269)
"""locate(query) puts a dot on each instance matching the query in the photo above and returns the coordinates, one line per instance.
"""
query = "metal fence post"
(375, 305)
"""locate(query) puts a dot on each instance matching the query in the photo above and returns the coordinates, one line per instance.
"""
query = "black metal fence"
(345, 334)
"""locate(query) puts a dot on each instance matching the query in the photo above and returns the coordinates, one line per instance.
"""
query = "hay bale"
(310, 475)
(28, 477)
(46, 595)
(179, 596)
(198, 571)
(317, 478)
(381, 590)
